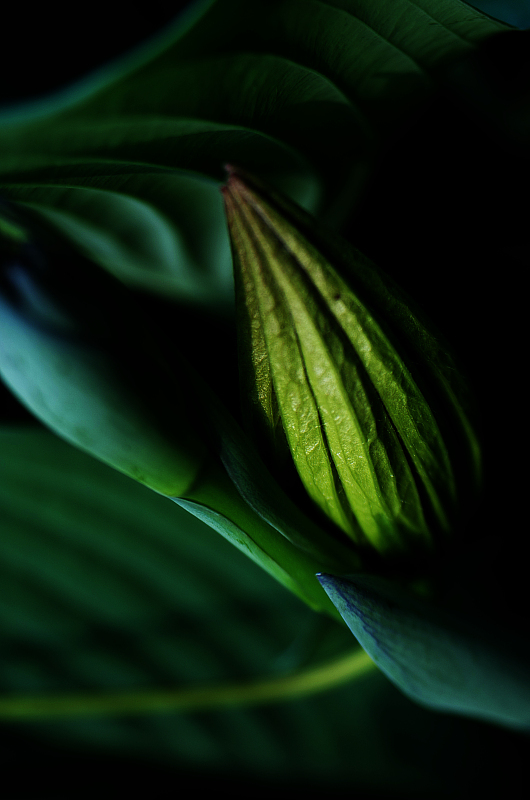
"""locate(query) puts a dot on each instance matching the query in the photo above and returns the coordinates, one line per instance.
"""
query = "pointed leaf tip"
(441, 661)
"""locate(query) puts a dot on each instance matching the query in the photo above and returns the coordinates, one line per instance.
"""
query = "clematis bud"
(324, 342)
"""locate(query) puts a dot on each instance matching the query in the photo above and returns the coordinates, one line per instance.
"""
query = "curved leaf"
(299, 91)
(444, 661)
(241, 80)
(144, 235)
(109, 590)
(107, 587)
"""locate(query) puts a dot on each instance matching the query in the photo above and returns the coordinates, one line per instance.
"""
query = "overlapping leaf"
(442, 660)
(298, 91)
(106, 587)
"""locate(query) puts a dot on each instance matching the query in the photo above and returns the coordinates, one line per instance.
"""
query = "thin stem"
(195, 698)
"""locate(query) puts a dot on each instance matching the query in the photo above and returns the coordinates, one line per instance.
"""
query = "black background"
(48, 46)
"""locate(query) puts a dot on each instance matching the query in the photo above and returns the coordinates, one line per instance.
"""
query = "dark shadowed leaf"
(299, 91)
(106, 587)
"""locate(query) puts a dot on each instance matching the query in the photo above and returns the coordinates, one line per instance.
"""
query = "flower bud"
(324, 374)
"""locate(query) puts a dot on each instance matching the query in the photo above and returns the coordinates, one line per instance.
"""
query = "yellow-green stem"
(193, 698)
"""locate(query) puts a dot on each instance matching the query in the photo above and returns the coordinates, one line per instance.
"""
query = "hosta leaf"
(297, 87)
(299, 91)
(109, 589)
(380, 55)
(77, 350)
(444, 661)
(108, 547)
(144, 235)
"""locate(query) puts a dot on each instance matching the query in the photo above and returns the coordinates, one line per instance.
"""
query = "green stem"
(194, 698)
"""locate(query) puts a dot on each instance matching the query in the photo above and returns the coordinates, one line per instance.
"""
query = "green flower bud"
(320, 334)
(75, 349)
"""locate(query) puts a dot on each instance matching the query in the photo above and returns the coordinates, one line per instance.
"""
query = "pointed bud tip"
(231, 176)
(236, 175)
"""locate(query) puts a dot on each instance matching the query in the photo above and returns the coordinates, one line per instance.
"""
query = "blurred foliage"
(105, 584)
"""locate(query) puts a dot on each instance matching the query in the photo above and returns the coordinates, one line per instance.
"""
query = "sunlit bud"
(323, 373)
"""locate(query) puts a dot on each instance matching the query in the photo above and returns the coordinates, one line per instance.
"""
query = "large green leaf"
(114, 601)
(253, 85)
(112, 598)
(135, 238)
(84, 546)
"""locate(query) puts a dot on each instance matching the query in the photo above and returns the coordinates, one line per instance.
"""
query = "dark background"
(44, 49)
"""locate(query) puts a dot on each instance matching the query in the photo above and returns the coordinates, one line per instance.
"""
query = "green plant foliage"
(116, 600)
(110, 592)
(440, 660)
(200, 99)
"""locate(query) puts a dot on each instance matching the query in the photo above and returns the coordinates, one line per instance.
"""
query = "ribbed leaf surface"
(298, 91)
(106, 587)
